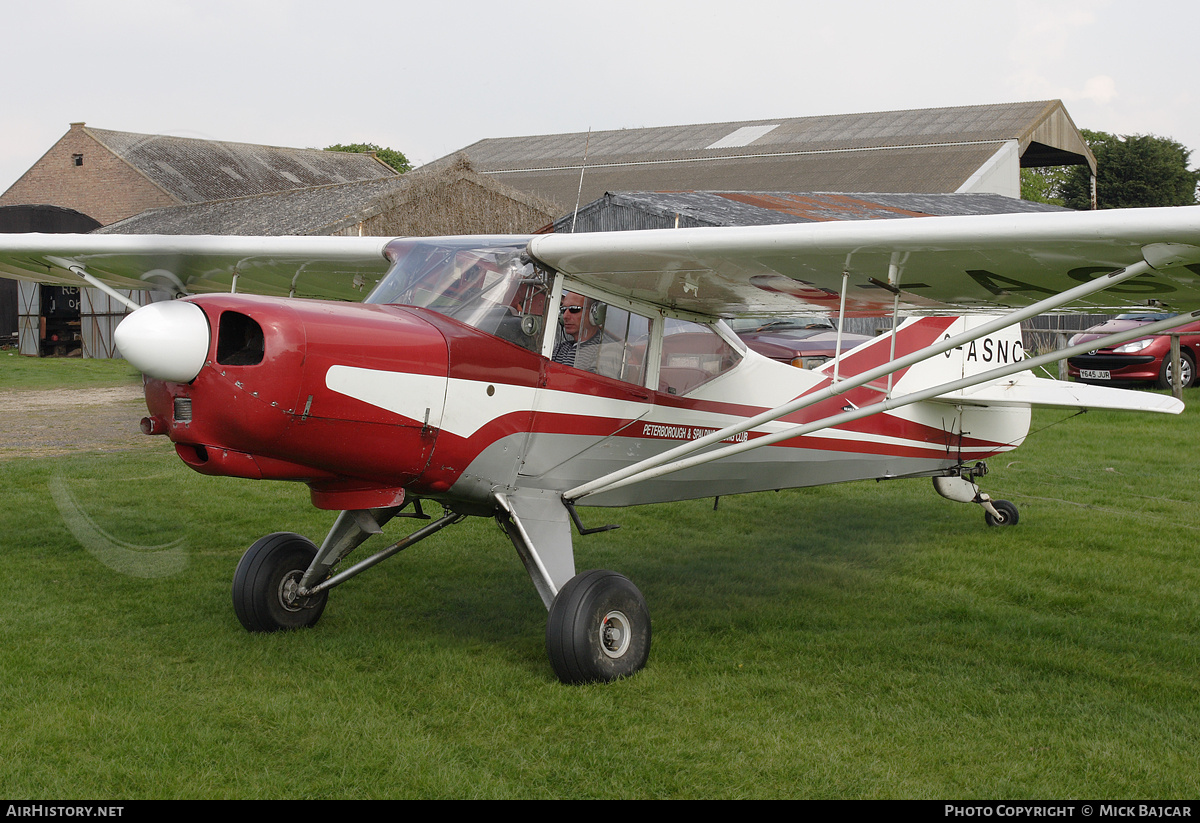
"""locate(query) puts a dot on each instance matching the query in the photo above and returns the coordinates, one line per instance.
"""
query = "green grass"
(18, 372)
(866, 640)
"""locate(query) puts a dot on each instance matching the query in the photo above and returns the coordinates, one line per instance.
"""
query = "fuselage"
(372, 403)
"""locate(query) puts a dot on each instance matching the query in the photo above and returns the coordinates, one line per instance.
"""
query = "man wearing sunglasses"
(579, 319)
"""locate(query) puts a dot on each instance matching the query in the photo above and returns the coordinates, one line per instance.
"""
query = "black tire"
(265, 575)
(1187, 369)
(1008, 514)
(598, 629)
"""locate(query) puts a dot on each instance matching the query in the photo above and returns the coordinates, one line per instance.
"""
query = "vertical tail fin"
(914, 334)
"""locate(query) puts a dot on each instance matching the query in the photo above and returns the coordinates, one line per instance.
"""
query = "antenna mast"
(583, 168)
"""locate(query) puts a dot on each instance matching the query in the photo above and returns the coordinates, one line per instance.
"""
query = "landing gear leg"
(598, 628)
(283, 580)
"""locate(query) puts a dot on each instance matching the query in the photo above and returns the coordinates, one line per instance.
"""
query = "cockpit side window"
(623, 349)
(692, 355)
(601, 338)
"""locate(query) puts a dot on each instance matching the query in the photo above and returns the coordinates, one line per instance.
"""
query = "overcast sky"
(432, 77)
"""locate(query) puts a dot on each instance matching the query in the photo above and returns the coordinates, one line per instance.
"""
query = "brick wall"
(98, 183)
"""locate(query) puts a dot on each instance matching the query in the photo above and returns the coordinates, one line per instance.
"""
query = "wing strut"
(78, 270)
(895, 403)
(642, 470)
(837, 352)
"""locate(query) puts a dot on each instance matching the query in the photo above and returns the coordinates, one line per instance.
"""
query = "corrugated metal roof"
(920, 150)
(193, 170)
(624, 211)
(925, 169)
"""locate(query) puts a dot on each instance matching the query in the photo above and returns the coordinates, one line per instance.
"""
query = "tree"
(1044, 184)
(392, 157)
(1132, 171)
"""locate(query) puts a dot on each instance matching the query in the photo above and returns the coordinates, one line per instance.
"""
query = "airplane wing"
(338, 268)
(932, 264)
(940, 264)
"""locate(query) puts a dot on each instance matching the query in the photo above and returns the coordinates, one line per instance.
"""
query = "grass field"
(866, 640)
(17, 372)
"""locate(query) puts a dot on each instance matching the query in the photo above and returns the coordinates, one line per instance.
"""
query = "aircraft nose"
(167, 341)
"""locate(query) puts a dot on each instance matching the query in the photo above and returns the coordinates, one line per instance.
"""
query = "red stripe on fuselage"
(911, 338)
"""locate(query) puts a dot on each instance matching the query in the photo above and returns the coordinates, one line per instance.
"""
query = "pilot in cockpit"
(580, 322)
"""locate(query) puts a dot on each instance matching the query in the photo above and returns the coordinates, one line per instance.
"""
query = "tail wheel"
(598, 629)
(1006, 510)
(266, 583)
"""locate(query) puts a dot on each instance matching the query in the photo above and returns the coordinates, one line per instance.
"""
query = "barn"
(965, 149)
(110, 175)
(105, 176)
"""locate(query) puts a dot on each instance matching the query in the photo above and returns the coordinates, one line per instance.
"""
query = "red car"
(1144, 360)
(807, 342)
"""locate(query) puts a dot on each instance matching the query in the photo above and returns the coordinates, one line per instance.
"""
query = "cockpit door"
(582, 411)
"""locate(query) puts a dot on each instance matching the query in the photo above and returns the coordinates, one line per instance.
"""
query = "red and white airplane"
(520, 377)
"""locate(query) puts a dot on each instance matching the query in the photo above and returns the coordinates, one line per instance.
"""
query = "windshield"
(489, 285)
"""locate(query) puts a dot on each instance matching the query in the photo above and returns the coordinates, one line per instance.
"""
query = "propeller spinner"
(167, 341)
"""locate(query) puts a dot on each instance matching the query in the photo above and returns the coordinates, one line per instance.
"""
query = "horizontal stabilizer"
(1024, 389)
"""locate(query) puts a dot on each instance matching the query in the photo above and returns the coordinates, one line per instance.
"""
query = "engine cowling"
(345, 397)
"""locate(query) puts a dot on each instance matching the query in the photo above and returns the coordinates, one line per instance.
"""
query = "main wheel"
(1007, 511)
(265, 583)
(1187, 371)
(598, 629)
